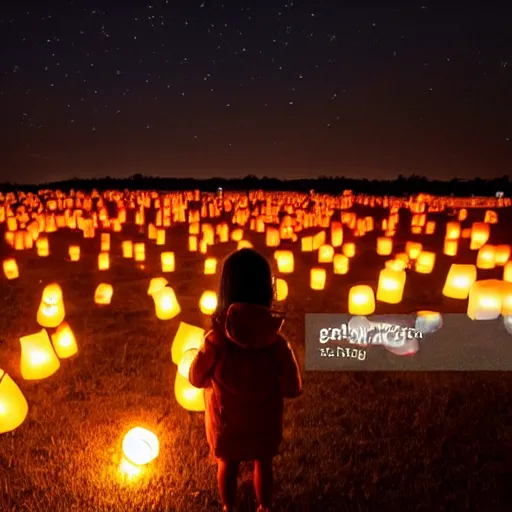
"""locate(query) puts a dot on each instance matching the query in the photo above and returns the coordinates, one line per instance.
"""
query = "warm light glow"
(281, 289)
(38, 359)
(166, 304)
(317, 278)
(103, 294)
(188, 396)
(486, 256)
(51, 312)
(74, 252)
(485, 300)
(210, 266)
(208, 302)
(459, 280)
(156, 284)
(425, 262)
(186, 361)
(187, 337)
(390, 287)
(384, 246)
(285, 261)
(361, 300)
(340, 264)
(64, 341)
(168, 261)
(13, 405)
(140, 446)
(10, 268)
(103, 261)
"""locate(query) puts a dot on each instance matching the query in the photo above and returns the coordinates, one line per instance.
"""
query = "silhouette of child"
(246, 368)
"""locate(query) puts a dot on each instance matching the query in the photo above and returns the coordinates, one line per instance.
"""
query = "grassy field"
(353, 441)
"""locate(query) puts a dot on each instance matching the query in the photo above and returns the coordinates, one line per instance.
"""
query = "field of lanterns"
(106, 296)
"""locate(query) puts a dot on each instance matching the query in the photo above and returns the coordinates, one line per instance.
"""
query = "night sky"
(228, 88)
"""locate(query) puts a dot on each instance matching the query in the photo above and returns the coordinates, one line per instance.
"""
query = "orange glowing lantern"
(10, 268)
(103, 261)
(451, 247)
(64, 341)
(13, 405)
(103, 294)
(285, 261)
(38, 359)
(384, 246)
(139, 251)
(340, 264)
(74, 252)
(272, 237)
(157, 284)
(160, 237)
(105, 242)
(413, 249)
(453, 230)
(210, 266)
(208, 302)
(361, 300)
(325, 253)
(459, 280)
(480, 232)
(192, 243)
(391, 286)
(168, 261)
(281, 289)
(140, 446)
(349, 249)
(51, 312)
(425, 262)
(486, 256)
(43, 246)
(507, 272)
(166, 304)
(187, 337)
(506, 298)
(395, 264)
(485, 300)
(502, 254)
(127, 248)
(317, 278)
(188, 396)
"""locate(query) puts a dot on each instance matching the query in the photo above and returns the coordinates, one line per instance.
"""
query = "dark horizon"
(291, 90)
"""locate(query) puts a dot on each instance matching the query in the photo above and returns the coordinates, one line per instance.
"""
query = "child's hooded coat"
(246, 371)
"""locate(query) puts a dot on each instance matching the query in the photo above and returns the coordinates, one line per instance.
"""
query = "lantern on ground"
(13, 405)
(425, 262)
(51, 312)
(140, 446)
(103, 261)
(281, 289)
(384, 246)
(156, 284)
(285, 261)
(506, 298)
(349, 249)
(361, 300)
(507, 272)
(391, 286)
(317, 278)
(453, 230)
(502, 254)
(64, 341)
(413, 249)
(43, 246)
(103, 294)
(38, 359)
(186, 362)
(272, 237)
(325, 253)
(166, 304)
(127, 248)
(480, 232)
(486, 256)
(10, 268)
(340, 264)
(168, 261)
(139, 250)
(188, 396)
(210, 266)
(451, 247)
(74, 252)
(208, 302)
(395, 264)
(428, 322)
(485, 300)
(187, 337)
(459, 280)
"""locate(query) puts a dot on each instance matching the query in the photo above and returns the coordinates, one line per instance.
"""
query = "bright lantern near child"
(208, 302)
(140, 446)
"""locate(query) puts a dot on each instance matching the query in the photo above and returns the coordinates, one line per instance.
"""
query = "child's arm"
(202, 366)
(291, 380)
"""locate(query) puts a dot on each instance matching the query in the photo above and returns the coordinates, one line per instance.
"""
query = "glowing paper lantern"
(272, 237)
(485, 300)
(349, 249)
(103, 294)
(74, 252)
(127, 248)
(391, 286)
(10, 268)
(459, 280)
(451, 247)
(64, 341)
(13, 405)
(166, 304)
(186, 361)
(139, 250)
(506, 298)
(317, 278)
(480, 232)
(486, 256)
(188, 396)
(210, 266)
(384, 246)
(281, 289)
(507, 272)
(361, 300)
(453, 230)
(43, 246)
(413, 249)
(168, 261)
(140, 446)
(325, 253)
(208, 302)
(187, 337)
(425, 262)
(51, 312)
(38, 359)
(340, 264)
(285, 261)
(502, 254)
(428, 322)
(395, 264)
(103, 261)
(156, 284)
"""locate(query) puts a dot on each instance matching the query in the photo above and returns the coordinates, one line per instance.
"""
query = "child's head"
(246, 277)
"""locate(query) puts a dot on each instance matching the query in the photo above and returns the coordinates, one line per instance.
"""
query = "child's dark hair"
(247, 278)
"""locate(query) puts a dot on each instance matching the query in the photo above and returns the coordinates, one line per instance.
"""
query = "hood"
(252, 326)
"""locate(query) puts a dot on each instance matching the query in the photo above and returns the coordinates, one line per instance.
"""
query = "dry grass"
(354, 441)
